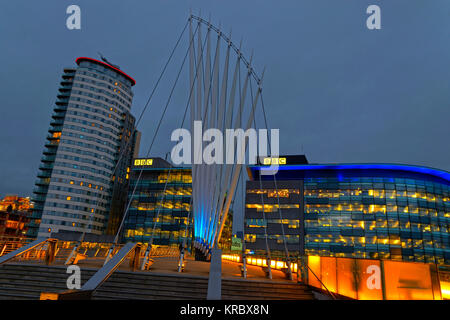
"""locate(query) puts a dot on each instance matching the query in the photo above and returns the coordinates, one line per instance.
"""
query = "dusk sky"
(337, 91)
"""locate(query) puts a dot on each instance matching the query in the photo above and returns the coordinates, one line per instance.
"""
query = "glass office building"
(370, 211)
(81, 184)
(163, 216)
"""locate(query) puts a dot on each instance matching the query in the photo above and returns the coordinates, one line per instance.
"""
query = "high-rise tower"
(82, 181)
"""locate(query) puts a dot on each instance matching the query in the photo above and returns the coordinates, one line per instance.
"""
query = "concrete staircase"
(22, 281)
(264, 290)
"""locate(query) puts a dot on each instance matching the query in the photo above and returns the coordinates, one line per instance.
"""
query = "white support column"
(238, 167)
(215, 276)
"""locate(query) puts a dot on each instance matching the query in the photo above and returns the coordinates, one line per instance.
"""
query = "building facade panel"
(367, 211)
(91, 144)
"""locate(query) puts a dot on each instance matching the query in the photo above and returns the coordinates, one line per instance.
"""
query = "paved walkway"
(169, 265)
(230, 270)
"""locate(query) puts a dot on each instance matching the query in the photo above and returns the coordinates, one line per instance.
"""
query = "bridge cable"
(147, 254)
(152, 142)
(288, 262)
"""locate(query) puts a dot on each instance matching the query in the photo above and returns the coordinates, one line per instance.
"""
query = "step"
(27, 281)
(162, 294)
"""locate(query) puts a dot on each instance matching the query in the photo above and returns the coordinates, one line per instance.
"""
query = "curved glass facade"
(160, 204)
(374, 217)
(358, 211)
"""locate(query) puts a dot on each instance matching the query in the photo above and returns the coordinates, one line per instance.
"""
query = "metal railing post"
(136, 256)
(109, 254)
(244, 265)
(383, 284)
(269, 268)
(146, 257)
(50, 253)
(329, 292)
(72, 254)
(302, 266)
(181, 261)
(289, 267)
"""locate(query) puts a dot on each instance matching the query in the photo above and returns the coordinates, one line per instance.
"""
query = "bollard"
(135, 257)
(51, 251)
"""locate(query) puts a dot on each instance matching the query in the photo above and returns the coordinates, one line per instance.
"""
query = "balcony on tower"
(62, 101)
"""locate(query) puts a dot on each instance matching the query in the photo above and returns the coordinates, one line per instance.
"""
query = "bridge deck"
(168, 265)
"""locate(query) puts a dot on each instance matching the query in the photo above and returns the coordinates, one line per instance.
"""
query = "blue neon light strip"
(369, 166)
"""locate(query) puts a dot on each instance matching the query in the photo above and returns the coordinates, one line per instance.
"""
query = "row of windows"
(259, 223)
(358, 208)
(86, 160)
(165, 218)
(391, 240)
(418, 185)
(78, 191)
(103, 81)
(81, 175)
(117, 99)
(103, 92)
(280, 239)
(97, 201)
(89, 101)
(87, 123)
(110, 73)
(94, 110)
(158, 177)
(170, 190)
(87, 146)
(166, 204)
(273, 193)
(67, 223)
(381, 194)
(379, 224)
(84, 168)
(103, 117)
(354, 194)
(100, 210)
(75, 216)
(84, 144)
(81, 152)
(101, 133)
(82, 183)
(271, 207)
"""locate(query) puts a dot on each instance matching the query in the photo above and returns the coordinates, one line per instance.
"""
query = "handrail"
(86, 291)
(105, 272)
(22, 250)
(329, 292)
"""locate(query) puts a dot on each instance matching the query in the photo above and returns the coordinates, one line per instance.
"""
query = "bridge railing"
(130, 250)
(9, 244)
(366, 279)
(41, 248)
